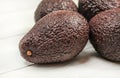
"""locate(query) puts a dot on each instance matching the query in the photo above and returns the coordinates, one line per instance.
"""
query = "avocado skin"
(47, 6)
(105, 34)
(57, 37)
(89, 8)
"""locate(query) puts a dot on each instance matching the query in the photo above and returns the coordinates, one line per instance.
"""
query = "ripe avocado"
(90, 8)
(47, 6)
(105, 34)
(57, 37)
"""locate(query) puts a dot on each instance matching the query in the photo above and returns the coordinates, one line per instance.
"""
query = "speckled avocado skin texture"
(90, 8)
(105, 34)
(47, 6)
(57, 37)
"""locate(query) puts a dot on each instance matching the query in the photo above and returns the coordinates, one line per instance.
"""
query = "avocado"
(57, 37)
(105, 34)
(89, 8)
(47, 6)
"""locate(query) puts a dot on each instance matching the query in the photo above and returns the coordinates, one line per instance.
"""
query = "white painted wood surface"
(16, 19)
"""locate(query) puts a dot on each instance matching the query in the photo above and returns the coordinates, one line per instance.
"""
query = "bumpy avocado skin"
(47, 6)
(57, 37)
(105, 34)
(90, 8)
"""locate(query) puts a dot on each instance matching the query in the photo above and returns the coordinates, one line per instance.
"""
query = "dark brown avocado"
(47, 6)
(57, 37)
(105, 34)
(90, 8)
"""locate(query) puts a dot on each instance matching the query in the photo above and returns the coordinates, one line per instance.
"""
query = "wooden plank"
(17, 16)
(10, 58)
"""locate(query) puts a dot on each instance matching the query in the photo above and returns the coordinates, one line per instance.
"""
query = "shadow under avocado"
(80, 59)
